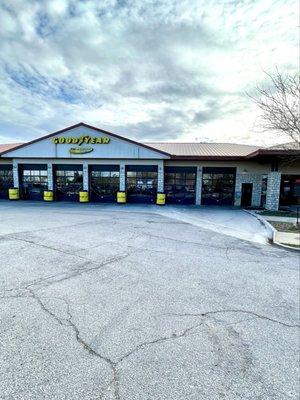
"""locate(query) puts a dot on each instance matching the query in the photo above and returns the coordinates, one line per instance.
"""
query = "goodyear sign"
(80, 140)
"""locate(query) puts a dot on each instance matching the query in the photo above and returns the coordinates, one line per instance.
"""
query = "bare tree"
(279, 101)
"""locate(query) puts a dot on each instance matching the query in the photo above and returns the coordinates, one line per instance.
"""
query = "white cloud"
(155, 70)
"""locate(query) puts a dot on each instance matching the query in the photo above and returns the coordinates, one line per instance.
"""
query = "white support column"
(16, 174)
(198, 186)
(50, 176)
(122, 177)
(160, 177)
(85, 173)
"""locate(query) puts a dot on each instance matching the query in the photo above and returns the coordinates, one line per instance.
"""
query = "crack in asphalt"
(68, 322)
(207, 313)
(93, 222)
(65, 275)
(78, 271)
(158, 340)
(114, 383)
(47, 247)
(150, 235)
(113, 365)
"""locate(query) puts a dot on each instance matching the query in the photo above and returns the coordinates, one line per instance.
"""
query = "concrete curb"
(271, 231)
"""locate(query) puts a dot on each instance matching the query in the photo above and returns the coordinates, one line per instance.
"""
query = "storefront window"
(290, 190)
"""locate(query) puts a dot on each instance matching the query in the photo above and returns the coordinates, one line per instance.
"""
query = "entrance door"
(246, 194)
(6, 180)
(104, 183)
(141, 183)
(180, 185)
(33, 181)
(68, 182)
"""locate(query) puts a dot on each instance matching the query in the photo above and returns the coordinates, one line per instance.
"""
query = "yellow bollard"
(83, 196)
(48, 195)
(161, 199)
(13, 194)
(121, 197)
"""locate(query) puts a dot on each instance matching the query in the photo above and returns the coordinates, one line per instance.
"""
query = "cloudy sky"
(153, 70)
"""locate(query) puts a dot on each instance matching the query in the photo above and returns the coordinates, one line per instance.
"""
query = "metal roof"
(191, 150)
(204, 149)
(286, 146)
(8, 146)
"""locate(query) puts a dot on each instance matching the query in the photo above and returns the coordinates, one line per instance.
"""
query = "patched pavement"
(121, 303)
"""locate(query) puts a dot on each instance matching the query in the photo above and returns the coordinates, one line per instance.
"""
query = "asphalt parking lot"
(113, 303)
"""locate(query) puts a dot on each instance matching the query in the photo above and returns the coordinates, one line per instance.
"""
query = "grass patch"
(285, 226)
(283, 213)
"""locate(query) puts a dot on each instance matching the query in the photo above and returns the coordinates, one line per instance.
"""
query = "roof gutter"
(265, 152)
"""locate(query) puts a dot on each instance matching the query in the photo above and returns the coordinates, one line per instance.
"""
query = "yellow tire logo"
(80, 150)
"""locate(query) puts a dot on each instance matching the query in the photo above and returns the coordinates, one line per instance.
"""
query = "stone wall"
(273, 190)
(122, 177)
(160, 178)
(256, 180)
(199, 185)
(50, 176)
(85, 176)
(15, 174)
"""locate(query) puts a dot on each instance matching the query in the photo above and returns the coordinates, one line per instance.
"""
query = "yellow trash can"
(83, 196)
(121, 197)
(161, 199)
(48, 195)
(13, 194)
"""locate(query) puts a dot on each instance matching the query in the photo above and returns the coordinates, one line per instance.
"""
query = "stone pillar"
(50, 176)
(238, 189)
(199, 186)
(160, 178)
(256, 192)
(122, 177)
(16, 174)
(273, 190)
(85, 174)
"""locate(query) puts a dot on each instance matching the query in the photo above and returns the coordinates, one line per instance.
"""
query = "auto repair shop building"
(103, 165)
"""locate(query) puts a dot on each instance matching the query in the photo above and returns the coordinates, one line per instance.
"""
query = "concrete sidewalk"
(228, 221)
